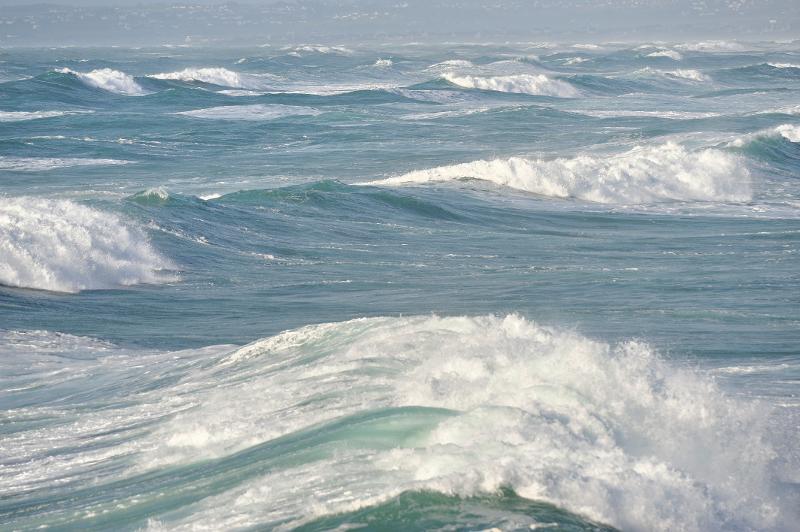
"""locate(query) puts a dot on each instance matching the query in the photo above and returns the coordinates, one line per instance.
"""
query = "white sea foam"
(789, 132)
(671, 115)
(586, 46)
(451, 63)
(711, 46)
(645, 174)
(383, 63)
(63, 246)
(317, 49)
(670, 54)
(214, 76)
(794, 66)
(38, 164)
(109, 80)
(575, 60)
(612, 432)
(251, 112)
(536, 84)
(20, 116)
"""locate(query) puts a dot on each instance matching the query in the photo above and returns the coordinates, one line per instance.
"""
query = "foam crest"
(535, 84)
(317, 49)
(109, 80)
(39, 164)
(214, 76)
(789, 132)
(645, 174)
(62, 246)
(612, 432)
(670, 54)
(251, 112)
(794, 66)
(21, 116)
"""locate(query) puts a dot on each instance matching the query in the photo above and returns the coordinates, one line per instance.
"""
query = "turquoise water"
(405, 286)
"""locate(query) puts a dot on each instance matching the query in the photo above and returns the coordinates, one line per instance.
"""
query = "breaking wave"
(535, 84)
(109, 80)
(63, 246)
(669, 54)
(213, 76)
(471, 405)
(645, 174)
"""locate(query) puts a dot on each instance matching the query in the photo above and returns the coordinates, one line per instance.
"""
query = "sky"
(142, 22)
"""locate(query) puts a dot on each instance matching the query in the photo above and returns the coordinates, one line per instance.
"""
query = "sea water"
(401, 286)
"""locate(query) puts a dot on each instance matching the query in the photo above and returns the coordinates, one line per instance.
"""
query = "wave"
(711, 46)
(645, 174)
(467, 406)
(681, 73)
(62, 246)
(21, 116)
(251, 112)
(789, 132)
(383, 63)
(670, 115)
(792, 66)
(109, 80)
(669, 54)
(214, 76)
(316, 49)
(451, 63)
(40, 164)
(535, 84)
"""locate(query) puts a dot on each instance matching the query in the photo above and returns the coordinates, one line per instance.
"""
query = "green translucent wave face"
(424, 510)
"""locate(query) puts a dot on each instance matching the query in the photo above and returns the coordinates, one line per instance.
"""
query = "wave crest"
(607, 431)
(645, 174)
(212, 75)
(109, 80)
(535, 84)
(62, 246)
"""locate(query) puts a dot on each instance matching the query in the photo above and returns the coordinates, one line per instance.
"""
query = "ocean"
(405, 286)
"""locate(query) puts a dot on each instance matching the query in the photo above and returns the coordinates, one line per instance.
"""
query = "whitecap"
(109, 80)
(534, 84)
(645, 174)
(63, 246)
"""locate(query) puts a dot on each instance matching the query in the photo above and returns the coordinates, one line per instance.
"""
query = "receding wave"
(535, 84)
(645, 174)
(251, 112)
(22, 116)
(63, 246)
(39, 164)
(109, 80)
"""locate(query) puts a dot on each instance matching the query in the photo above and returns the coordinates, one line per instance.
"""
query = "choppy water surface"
(409, 286)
